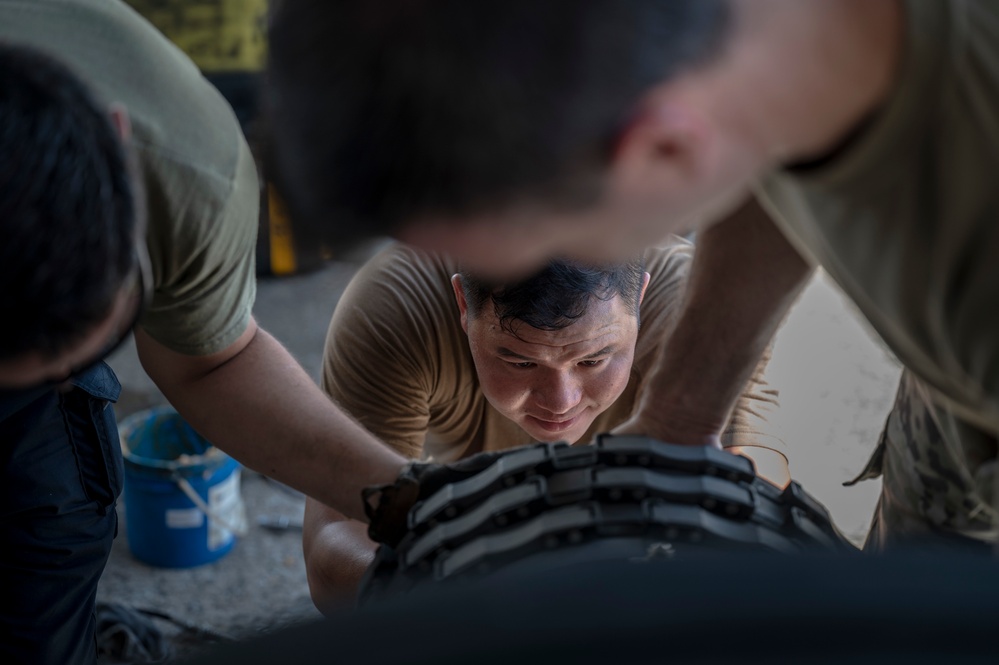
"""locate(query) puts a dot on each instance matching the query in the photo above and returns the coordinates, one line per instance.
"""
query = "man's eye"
(523, 365)
(590, 363)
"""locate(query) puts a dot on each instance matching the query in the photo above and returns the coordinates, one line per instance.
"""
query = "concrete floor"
(836, 385)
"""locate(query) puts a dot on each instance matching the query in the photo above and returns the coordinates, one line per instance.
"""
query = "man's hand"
(387, 506)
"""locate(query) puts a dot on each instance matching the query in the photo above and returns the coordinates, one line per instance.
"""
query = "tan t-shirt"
(200, 179)
(906, 219)
(398, 360)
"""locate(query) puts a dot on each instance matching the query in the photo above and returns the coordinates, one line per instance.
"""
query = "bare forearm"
(264, 410)
(337, 553)
(745, 277)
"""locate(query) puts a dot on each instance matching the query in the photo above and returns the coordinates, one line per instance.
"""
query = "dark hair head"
(67, 210)
(558, 295)
(382, 111)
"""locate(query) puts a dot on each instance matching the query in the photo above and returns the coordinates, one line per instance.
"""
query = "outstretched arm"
(256, 403)
(744, 279)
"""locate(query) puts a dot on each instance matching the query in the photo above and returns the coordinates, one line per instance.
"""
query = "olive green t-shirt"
(397, 359)
(906, 218)
(200, 180)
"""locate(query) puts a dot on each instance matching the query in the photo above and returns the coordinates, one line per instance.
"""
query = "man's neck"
(808, 73)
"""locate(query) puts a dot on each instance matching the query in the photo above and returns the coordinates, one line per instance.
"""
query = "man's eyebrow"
(507, 353)
(503, 351)
(602, 352)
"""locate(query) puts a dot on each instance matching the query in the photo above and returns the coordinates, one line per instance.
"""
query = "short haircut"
(557, 295)
(67, 207)
(385, 111)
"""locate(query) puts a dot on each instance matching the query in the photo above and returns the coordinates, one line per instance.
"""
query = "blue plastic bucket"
(183, 506)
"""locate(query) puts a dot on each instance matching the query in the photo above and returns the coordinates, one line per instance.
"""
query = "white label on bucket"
(225, 501)
(184, 518)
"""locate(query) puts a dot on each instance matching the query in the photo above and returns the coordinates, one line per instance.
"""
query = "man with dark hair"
(62, 294)
(855, 135)
(87, 253)
(441, 364)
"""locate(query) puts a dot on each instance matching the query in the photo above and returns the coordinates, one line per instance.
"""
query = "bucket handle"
(239, 528)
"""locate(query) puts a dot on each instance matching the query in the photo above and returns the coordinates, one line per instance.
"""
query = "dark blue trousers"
(61, 467)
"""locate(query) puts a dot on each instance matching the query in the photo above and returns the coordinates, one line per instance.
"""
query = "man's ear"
(459, 297)
(661, 148)
(645, 284)
(121, 121)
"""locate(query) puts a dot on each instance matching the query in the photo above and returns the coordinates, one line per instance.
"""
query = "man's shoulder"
(405, 293)
(667, 264)
(674, 249)
(411, 273)
(396, 255)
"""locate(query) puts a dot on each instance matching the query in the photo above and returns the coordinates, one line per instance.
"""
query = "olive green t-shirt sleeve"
(202, 240)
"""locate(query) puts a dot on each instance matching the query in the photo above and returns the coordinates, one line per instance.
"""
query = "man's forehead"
(602, 320)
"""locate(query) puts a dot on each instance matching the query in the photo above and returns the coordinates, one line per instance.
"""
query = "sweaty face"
(553, 384)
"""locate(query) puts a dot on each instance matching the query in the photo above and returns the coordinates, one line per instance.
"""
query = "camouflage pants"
(939, 476)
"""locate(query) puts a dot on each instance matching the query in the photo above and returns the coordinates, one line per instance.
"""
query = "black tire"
(625, 498)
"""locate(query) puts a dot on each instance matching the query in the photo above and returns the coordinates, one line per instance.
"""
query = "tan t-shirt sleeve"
(750, 425)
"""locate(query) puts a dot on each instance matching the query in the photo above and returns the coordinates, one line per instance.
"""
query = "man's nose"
(558, 393)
